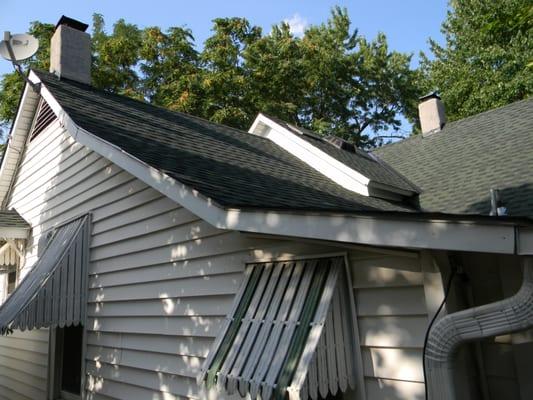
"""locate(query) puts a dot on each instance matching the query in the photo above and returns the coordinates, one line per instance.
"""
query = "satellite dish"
(18, 47)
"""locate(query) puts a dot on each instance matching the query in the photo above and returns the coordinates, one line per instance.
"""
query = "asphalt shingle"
(234, 168)
(359, 160)
(12, 219)
(456, 167)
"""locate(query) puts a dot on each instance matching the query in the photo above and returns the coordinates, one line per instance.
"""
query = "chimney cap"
(72, 23)
(432, 95)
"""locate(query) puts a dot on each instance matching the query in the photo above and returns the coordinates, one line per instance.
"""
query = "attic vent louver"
(44, 117)
(340, 143)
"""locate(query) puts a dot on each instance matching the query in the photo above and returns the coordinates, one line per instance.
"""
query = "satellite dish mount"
(16, 48)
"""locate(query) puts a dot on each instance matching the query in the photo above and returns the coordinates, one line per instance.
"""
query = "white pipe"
(509, 315)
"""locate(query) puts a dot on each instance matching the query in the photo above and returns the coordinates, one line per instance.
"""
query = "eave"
(412, 230)
(16, 141)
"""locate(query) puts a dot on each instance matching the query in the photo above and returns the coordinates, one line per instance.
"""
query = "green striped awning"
(289, 333)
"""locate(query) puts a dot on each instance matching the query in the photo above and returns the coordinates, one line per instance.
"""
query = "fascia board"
(14, 233)
(525, 241)
(17, 140)
(325, 164)
(385, 231)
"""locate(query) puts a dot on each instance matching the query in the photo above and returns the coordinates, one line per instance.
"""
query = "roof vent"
(74, 24)
(340, 143)
(431, 113)
(44, 117)
(496, 204)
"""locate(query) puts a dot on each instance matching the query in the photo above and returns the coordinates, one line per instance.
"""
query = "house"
(162, 256)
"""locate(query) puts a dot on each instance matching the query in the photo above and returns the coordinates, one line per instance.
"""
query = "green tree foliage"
(354, 85)
(275, 70)
(225, 81)
(170, 66)
(487, 61)
(115, 57)
(331, 79)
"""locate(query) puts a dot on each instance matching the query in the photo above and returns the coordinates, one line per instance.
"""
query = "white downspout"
(509, 315)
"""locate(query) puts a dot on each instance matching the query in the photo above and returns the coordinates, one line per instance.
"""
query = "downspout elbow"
(506, 316)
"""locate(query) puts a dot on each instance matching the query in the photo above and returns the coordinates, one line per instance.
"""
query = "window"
(290, 334)
(11, 280)
(68, 363)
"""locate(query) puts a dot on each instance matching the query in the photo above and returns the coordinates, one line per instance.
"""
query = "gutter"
(438, 232)
(503, 317)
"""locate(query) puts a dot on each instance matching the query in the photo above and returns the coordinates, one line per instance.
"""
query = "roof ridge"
(482, 113)
(145, 103)
(453, 123)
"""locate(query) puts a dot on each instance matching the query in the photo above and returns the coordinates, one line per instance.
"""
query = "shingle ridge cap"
(451, 124)
(142, 102)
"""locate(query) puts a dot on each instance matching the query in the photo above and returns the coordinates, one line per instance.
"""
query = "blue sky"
(408, 24)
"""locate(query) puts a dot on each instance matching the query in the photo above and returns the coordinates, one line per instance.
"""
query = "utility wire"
(426, 338)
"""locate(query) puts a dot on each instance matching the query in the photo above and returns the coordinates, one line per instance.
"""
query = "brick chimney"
(70, 51)
(431, 113)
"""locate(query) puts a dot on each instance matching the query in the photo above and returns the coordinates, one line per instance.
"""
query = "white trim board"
(315, 158)
(368, 230)
(322, 162)
(17, 139)
(14, 233)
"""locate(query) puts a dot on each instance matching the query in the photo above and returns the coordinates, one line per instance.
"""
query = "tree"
(276, 73)
(170, 69)
(355, 85)
(115, 57)
(331, 80)
(225, 82)
(487, 60)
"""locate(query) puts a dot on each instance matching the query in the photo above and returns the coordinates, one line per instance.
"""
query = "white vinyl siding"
(161, 282)
(23, 361)
(392, 317)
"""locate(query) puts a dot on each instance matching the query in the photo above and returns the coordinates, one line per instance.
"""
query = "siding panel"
(161, 282)
(392, 317)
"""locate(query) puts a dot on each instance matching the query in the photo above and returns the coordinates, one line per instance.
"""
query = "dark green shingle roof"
(12, 219)
(232, 167)
(456, 168)
(359, 160)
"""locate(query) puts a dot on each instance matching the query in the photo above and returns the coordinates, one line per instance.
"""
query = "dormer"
(338, 160)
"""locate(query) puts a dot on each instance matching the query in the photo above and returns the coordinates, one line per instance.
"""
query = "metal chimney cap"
(72, 23)
(432, 95)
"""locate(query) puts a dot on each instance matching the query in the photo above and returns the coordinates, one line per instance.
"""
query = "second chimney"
(431, 113)
(70, 51)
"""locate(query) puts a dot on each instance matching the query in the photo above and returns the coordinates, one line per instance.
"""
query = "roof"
(12, 219)
(359, 160)
(456, 167)
(232, 167)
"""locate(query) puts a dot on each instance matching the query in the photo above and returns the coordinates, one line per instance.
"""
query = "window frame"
(359, 393)
(55, 355)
